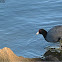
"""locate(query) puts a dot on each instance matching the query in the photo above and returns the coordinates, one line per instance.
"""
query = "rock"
(53, 55)
(7, 55)
(51, 58)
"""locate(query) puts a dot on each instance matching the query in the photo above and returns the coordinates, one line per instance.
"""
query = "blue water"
(21, 19)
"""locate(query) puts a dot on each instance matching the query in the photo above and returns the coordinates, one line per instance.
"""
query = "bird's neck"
(44, 34)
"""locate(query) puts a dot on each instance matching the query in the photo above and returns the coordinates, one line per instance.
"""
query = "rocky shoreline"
(7, 55)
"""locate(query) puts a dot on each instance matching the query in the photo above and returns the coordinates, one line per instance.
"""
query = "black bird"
(53, 35)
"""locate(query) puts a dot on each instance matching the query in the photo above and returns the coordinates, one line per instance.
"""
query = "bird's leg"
(60, 43)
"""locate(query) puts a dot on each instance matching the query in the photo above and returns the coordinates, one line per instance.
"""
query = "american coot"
(53, 35)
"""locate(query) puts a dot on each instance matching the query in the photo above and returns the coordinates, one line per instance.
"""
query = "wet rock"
(53, 55)
(51, 58)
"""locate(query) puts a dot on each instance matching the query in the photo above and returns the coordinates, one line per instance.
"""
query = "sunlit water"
(21, 19)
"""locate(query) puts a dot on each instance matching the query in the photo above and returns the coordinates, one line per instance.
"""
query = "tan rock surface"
(7, 55)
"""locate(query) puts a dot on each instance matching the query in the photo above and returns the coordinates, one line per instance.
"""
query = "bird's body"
(53, 35)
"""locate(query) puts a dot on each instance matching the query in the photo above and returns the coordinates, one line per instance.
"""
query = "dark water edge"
(20, 20)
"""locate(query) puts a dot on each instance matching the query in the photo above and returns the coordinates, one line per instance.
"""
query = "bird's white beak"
(37, 33)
